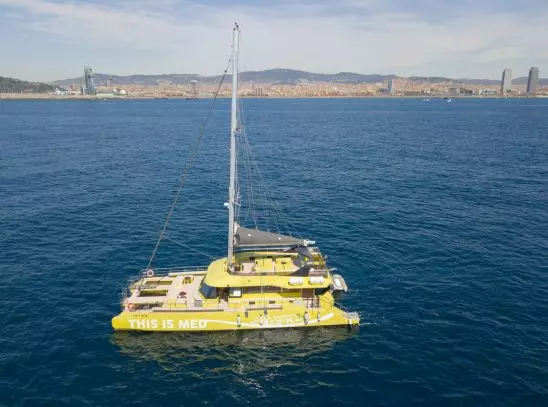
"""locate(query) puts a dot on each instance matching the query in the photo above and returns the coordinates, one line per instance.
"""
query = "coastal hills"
(281, 76)
(10, 85)
(277, 76)
(270, 76)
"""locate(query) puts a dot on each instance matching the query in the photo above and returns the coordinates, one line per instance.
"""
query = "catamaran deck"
(181, 294)
(287, 266)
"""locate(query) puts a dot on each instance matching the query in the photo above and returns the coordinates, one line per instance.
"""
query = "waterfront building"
(506, 83)
(532, 81)
(390, 85)
(88, 85)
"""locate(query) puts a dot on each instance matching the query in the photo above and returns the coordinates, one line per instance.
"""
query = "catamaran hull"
(228, 321)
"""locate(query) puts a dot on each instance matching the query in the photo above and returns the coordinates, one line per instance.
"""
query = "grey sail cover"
(256, 237)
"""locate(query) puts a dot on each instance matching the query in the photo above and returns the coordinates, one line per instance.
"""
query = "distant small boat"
(449, 100)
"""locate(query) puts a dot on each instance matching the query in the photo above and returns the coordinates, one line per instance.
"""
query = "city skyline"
(275, 83)
(344, 76)
(407, 38)
(288, 76)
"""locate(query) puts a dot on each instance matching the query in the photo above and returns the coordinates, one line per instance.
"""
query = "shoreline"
(38, 96)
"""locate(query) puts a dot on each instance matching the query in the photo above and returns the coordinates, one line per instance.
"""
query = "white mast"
(233, 129)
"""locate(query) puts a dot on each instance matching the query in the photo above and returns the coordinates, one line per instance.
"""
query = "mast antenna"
(233, 130)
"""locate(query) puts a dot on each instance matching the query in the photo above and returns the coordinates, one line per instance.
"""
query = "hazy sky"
(53, 39)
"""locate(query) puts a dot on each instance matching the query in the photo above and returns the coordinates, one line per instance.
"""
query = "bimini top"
(256, 237)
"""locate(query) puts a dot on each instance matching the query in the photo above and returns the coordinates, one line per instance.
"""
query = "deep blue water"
(436, 214)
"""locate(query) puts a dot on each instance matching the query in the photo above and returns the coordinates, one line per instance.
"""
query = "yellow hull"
(210, 321)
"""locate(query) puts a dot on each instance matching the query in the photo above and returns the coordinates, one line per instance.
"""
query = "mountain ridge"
(280, 76)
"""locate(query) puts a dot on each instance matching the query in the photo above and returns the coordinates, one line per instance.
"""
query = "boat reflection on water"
(254, 350)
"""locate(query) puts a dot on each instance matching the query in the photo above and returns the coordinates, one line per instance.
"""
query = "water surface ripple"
(436, 213)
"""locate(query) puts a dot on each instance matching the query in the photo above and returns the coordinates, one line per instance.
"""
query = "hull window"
(235, 292)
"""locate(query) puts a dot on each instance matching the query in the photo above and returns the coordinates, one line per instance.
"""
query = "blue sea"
(436, 214)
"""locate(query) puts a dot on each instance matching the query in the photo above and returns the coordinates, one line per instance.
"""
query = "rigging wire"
(188, 166)
(270, 214)
(251, 210)
(262, 187)
(264, 192)
(251, 207)
(187, 247)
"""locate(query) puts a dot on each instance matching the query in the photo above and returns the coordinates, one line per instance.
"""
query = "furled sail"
(256, 237)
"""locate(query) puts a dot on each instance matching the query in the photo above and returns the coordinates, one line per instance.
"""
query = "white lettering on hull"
(201, 324)
(143, 323)
(167, 324)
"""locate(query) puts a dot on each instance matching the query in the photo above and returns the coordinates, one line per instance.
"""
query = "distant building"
(88, 86)
(258, 92)
(390, 85)
(506, 83)
(119, 92)
(194, 89)
(532, 81)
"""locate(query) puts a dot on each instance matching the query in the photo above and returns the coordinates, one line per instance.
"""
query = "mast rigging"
(233, 130)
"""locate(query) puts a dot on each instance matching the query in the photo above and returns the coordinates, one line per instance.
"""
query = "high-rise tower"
(390, 85)
(88, 87)
(532, 81)
(506, 83)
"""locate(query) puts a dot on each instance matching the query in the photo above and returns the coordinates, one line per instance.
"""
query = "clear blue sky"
(53, 39)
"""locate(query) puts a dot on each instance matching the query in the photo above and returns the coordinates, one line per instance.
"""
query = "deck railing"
(166, 270)
(192, 305)
(125, 292)
(274, 272)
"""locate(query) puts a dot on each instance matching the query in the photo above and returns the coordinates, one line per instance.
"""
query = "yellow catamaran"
(268, 280)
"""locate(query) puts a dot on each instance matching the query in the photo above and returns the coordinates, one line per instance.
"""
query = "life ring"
(238, 320)
(131, 307)
(150, 273)
(261, 320)
(306, 317)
